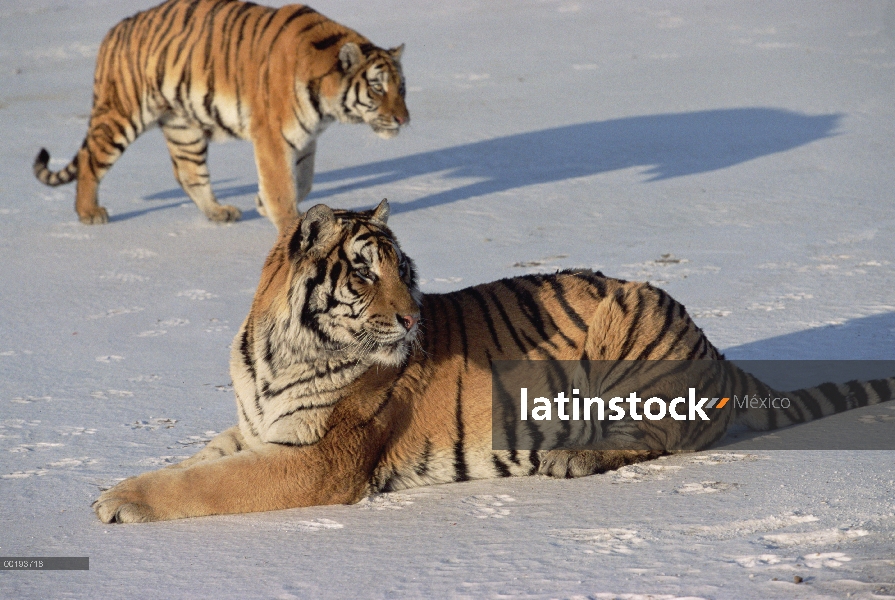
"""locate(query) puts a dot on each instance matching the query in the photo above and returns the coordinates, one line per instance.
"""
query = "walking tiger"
(218, 69)
(350, 381)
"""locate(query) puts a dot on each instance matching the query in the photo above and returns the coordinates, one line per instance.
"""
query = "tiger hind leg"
(227, 443)
(110, 132)
(188, 146)
(637, 322)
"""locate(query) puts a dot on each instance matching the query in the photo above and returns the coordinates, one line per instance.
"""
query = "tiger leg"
(227, 443)
(639, 322)
(277, 195)
(188, 146)
(304, 172)
(336, 470)
(304, 177)
(110, 132)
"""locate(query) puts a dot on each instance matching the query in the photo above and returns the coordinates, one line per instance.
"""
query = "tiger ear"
(381, 212)
(350, 56)
(397, 52)
(316, 225)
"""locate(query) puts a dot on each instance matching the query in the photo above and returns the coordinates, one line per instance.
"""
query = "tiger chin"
(351, 382)
(218, 69)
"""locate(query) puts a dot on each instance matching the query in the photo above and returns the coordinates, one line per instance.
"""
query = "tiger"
(350, 381)
(221, 69)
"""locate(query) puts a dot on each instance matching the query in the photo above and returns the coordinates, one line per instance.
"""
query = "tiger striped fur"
(349, 381)
(218, 69)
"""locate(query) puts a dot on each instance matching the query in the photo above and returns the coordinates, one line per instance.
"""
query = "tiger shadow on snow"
(865, 338)
(866, 346)
(667, 146)
(181, 199)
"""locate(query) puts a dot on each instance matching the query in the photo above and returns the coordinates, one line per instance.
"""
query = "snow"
(737, 154)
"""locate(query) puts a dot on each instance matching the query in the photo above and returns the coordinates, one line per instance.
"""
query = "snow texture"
(738, 154)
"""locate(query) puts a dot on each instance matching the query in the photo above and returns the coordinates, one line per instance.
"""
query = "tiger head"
(337, 286)
(373, 88)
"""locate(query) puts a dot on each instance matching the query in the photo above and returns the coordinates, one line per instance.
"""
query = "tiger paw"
(565, 464)
(94, 216)
(224, 213)
(124, 503)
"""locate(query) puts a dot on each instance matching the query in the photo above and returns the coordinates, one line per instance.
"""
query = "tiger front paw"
(94, 216)
(224, 213)
(124, 503)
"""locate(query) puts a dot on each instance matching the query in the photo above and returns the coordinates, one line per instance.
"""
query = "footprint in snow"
(115, 312)
(71, 463)
(706, 487)
(389, 501)
(759, 560)
(109, 359)
(163, 461)
(65, 463)
(817, 560)
(139, 253)
(642, 472)
(718, 458)
(318, 525)
(197, 440)
(635, 596)
(705, 313)
(174, 322)
(747, 527)
(152, 333)
(822, 537)
(824, 560)
(30, 399)
(153, 423)
(105, 395)
(123, 277)
(197, 294)
(25, 474)
(33, 447)
(610, 540)
(70, 430)
(18, 423)
(487, 506)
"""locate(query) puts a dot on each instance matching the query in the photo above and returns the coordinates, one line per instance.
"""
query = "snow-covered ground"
(750, 141)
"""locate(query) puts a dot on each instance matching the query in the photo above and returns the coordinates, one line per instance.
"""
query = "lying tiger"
(350, 381)
(219, 69)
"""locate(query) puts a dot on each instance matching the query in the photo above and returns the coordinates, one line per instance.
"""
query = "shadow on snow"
(667, 146)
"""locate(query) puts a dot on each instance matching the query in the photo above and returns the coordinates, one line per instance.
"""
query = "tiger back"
(349, 381)
(219, 69)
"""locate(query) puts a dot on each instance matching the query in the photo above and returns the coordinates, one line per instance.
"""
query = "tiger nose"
(401, 119)
(408, 321)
